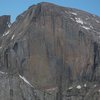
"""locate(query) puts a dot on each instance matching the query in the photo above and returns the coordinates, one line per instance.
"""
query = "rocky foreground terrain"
(50, 53)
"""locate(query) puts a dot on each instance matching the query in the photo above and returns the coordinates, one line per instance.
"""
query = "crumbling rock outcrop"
(51, 53)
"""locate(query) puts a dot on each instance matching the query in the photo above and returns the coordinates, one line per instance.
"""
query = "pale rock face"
(50, 46)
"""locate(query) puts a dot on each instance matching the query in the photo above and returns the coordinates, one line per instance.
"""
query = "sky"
(15, 7)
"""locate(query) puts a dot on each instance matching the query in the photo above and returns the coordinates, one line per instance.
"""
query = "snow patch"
(6, 33)
(1, 72)
(91, 26)
(97, 21)
(95, 85)
(99, 90)
(87, 28)
(70, 88)
(12, 37)
(78, 87)
(74, 13)
(72, 19)
(9, 25)
(85, 85)
(25, 80)
(78, 20)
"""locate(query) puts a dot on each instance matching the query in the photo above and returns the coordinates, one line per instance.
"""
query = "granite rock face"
(4, 23)
(50, 53)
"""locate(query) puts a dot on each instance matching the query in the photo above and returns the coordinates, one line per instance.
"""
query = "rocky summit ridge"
(50, 53)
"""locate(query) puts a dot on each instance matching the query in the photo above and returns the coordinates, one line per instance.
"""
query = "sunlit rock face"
(50, 53)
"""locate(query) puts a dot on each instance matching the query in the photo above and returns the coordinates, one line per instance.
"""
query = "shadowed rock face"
(50, 53)
(4, 22)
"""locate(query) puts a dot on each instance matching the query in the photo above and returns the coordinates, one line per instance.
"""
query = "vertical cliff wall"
(51, 53)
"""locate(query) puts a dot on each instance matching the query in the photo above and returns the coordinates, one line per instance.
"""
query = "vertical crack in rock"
(6, 58)
(95, 64)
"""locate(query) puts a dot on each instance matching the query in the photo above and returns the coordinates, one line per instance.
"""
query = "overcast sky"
(15, 7)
